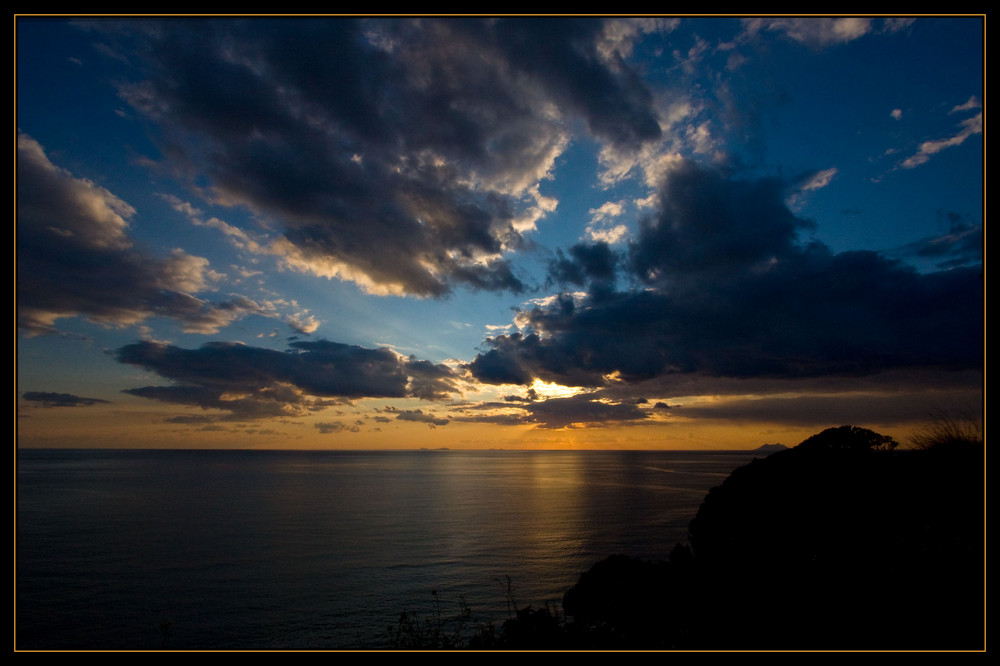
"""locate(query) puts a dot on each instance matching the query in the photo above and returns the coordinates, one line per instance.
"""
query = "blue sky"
(520, 232)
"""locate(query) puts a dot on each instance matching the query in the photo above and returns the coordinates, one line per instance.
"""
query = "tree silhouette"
(849, 438)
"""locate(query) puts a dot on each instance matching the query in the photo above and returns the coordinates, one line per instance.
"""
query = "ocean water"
(324, 550)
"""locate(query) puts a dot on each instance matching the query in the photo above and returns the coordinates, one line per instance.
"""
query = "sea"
(326, 550)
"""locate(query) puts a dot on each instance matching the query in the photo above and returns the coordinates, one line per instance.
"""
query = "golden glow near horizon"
(689, 422)
(377, 425)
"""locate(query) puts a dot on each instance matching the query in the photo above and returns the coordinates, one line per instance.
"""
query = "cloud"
(329, 427)
(968, 128)
(75, 258)
(587, 410)
(709, 222)
(961, 245)
(51, 399)
(812, 31)
(617, 38)
(726, 289)
(430, 381)
(818, 180)
(600, 229)
(302, 323)
(972, 103)
(887, 408)
(607, 210)
(238, 237)
(582, 411)
(402, 155)
(419, 416)
(502, 365)
(253, 382)
(586, 262)
(610, 235)
(897, 24)
(809, 182)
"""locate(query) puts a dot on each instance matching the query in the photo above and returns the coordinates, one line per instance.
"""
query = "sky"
(495, 232)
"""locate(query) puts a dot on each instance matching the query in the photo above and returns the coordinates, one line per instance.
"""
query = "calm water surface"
(287, 550)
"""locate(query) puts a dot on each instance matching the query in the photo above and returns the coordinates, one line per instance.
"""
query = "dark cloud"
(237, 402)
(582, 411)
(887, 409)
(724, 288)
(497, 366)
(430, 381)
(530, 396)
(196, 419)
(252, 382)
(710, 225)
(579, 411)
(587, 262)
(565, 56)
(418, 416)
(51, 399)
(504, 419)
(960, 245)
(75, 257)
(329, 427)
(401, 154)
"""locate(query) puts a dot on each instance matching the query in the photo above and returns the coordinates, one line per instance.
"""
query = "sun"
(552, 390)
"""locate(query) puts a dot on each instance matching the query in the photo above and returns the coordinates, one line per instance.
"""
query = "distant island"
(770, 448)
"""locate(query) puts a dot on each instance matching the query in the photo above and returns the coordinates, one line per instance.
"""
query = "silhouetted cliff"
(842, 542)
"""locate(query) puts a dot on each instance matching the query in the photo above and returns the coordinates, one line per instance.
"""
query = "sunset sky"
(360, 233)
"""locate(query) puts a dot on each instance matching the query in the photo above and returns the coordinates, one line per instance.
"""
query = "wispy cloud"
(972, 103)
(818, 180)
(53, 399)
(969, 127)
(960, 245)
(813, 31)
